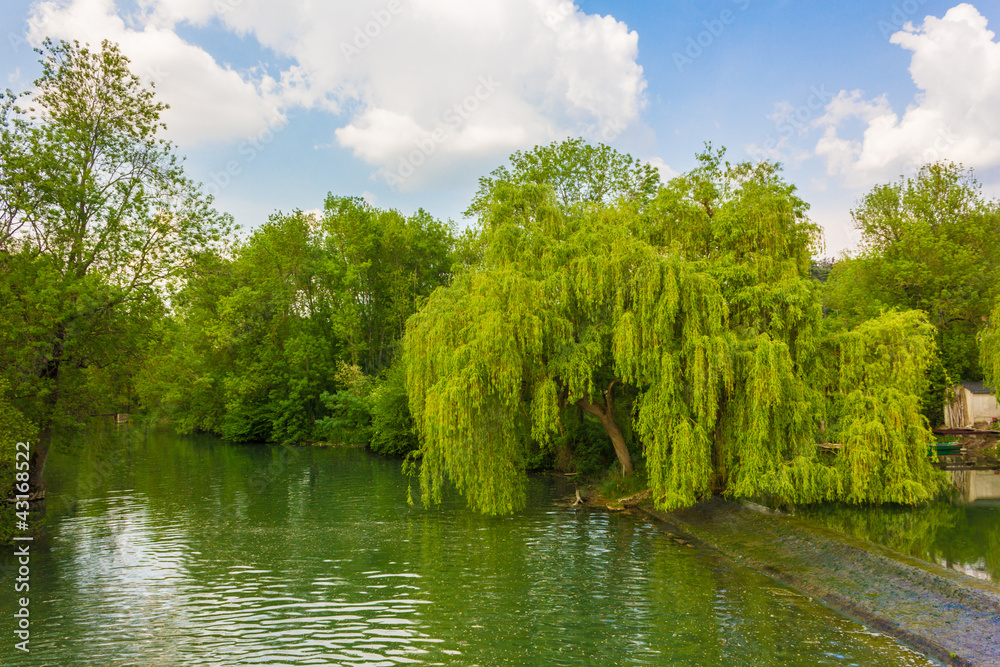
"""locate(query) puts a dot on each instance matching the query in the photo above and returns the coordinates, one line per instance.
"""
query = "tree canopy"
(259, 337)
(989, 349)
(929, 243)
(577, 172)
(99, 221)
(689, 318)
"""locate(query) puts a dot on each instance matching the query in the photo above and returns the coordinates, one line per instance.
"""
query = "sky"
(406, 103)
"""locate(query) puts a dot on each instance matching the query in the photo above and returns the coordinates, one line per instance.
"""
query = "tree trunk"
(36, 464)
(621, 449)
(604, 413)
(40, 450)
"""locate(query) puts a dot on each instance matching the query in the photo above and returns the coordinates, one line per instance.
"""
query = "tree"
(744, 226)
(99, 222)
(928, 243)
(258, 339)
(989, 349)
(697, 306)
(181, 379)
(577, 172)
(253, 342)
(382, 265)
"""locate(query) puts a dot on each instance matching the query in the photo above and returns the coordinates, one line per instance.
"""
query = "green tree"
(181, 379)
(99, 222)
(928, 243)
(696, 306)
(382, 265)
(257, 339)
(745, 227)
(876, 375)
(252, 344)
(393, 430)
(577, 173)
(989, 349)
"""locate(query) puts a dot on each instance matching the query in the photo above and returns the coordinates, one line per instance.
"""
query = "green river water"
(162, 550)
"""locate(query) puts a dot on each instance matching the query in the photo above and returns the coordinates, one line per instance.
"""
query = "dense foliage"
(990, 348)
(97, 221)
(590, 314)
(256, 349)
(694, 305)
(929, 243)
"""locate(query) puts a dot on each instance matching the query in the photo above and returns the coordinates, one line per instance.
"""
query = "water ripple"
(200, 563)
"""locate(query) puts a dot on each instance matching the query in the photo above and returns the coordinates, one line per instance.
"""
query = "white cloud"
(208, 102)
(666, 171)
(956, 66)
(396, 73)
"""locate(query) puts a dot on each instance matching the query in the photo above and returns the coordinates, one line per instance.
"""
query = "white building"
(973, 403)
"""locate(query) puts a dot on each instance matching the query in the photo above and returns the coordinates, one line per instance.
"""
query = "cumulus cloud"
(956, 66)
(209, 102)
(412, 86)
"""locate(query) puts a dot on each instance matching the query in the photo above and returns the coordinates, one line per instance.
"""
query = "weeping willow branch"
(723, 351)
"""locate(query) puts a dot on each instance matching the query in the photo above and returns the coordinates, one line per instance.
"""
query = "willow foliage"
(875, 406)
(696, 302)
(989, 349)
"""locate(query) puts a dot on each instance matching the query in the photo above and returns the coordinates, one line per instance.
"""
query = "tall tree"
(257, 337)
(383, 265)
(745, 226)
(698, 306)
(989, 349)
(577, 172)
(928, 243)
(99, 222)
(252, 343)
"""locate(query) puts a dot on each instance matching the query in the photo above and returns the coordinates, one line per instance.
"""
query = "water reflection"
(977, 486)
(194, 552)
(965, 538)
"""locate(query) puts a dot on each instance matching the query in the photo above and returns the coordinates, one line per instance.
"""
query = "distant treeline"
(292, 334)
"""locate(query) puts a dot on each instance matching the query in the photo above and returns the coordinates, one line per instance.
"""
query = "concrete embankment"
(950, 616)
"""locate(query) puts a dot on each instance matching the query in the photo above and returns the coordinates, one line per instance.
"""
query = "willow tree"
(697, 303)
(877, 374)
(989, 349)
(565, 307)
(747, 228)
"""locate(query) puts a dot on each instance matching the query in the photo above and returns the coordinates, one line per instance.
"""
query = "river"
(167, 550)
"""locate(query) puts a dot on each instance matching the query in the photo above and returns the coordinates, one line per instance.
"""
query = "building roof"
(976, 387)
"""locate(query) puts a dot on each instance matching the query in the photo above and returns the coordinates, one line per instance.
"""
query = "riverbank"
(949, 616)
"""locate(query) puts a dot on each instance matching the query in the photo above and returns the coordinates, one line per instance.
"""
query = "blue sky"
(275, 103)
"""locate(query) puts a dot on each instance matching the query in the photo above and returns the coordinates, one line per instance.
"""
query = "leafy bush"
(392, 428)
(350, 420)
(370, 412)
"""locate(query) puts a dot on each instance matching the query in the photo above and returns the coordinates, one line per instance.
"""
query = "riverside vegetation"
(590, 315)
